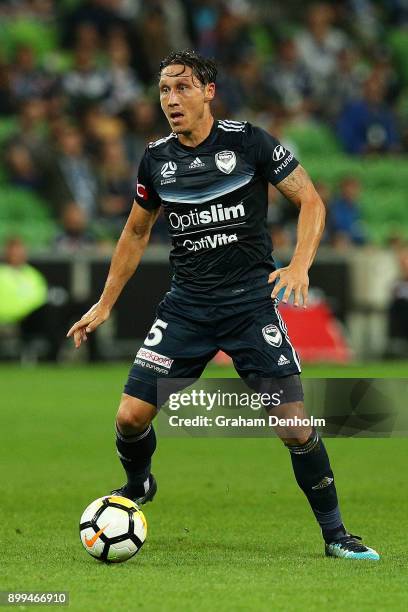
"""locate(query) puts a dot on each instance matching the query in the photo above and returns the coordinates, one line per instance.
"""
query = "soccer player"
(211, 178)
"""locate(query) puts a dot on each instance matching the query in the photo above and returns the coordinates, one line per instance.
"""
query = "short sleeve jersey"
(215, 200)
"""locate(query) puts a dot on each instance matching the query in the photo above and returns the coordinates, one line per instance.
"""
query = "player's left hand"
(295, 278)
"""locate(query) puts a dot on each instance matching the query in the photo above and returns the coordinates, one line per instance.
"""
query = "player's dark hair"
(204, 69)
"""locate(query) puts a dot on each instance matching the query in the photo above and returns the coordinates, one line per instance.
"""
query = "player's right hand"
(95, 316)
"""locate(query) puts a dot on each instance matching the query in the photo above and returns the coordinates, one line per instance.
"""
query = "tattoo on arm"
(293, 185)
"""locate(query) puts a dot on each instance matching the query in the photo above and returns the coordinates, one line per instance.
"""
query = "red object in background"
(314, 332)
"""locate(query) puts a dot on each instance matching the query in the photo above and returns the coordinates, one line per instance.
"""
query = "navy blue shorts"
(184, 338)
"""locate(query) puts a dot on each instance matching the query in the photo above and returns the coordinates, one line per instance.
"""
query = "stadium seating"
(384, 188)
(383, 198)
(313, 138)
(23, 213)
(398, 41)
(8, 127)
(23, 30)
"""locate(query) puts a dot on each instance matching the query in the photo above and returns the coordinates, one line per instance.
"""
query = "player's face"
(183, 98)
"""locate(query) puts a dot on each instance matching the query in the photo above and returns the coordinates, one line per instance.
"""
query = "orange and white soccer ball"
(113, 529)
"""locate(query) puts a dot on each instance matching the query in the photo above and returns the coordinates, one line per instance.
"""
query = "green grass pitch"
(229, 529)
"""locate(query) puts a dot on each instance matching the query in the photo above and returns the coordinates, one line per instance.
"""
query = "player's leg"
(308, 454)
(310, 461)
(264, 357)
(135, 444)
(315, 477)
(178, 346)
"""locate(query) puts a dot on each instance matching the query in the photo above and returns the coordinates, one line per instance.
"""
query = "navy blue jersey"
(215, 200)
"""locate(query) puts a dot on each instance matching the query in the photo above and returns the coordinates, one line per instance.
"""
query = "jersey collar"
(204, 142)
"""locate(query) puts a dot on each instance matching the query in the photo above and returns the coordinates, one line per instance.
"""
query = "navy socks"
(314, 476)
(135, 453)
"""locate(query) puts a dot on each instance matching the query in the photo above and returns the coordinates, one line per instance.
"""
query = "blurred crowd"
(79, 102)
(81, 90)
(344, 223)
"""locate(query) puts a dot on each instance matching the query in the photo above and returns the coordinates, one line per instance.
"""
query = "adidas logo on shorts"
(197, 163)
(282, 360)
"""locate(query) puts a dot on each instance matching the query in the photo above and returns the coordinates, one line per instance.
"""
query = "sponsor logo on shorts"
(151, 366)
(154, 357)
(272, 335)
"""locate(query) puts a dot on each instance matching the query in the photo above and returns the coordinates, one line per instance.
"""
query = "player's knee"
(134, 415)
(131, 420)
(293, 426)
(297, 437)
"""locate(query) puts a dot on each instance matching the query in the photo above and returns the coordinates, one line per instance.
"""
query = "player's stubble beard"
(190, 128)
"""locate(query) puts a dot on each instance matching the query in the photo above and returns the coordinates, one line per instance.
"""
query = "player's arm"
(299, 189)
(125, 260)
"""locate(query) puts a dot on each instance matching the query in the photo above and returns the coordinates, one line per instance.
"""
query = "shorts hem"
(141, 389)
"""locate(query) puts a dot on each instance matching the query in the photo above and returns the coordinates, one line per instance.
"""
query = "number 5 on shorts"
(155, 334)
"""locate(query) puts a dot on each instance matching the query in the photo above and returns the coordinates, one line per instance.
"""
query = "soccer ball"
(112, 529)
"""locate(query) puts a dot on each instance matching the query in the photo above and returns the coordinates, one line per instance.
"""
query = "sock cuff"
(133, 438)
(330, 520)
(307, 447)
(331, 534)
